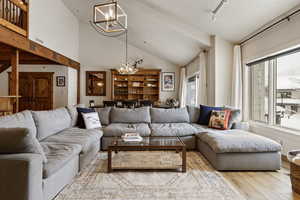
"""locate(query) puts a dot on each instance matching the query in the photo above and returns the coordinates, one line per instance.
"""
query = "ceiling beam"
(4, 67)
(171, 21)
(18, 41)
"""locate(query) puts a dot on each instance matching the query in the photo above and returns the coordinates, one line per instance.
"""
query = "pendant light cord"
(126, 47)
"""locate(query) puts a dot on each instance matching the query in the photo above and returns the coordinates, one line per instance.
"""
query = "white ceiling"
(176, 30)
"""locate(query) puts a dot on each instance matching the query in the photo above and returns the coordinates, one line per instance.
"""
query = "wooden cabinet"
(143, 85)
(36, 90)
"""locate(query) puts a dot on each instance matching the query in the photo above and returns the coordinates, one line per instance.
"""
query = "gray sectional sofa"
(69, 149)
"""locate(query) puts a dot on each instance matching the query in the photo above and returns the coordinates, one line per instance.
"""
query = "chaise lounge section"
(237, 150)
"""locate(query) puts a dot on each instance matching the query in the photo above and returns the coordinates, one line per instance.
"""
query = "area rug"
(200, 181)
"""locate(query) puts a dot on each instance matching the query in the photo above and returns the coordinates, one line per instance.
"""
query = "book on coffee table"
(132, 137)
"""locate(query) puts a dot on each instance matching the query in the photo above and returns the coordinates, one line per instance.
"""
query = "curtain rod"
(271, 26)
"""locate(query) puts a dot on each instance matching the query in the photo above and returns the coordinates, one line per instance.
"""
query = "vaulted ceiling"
(176, 30)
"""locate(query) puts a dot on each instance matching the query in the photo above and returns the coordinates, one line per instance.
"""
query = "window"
(191, 91)
(288, 91)
(275, 91)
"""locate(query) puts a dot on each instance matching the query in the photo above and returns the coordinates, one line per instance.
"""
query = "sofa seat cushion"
(58, 155)
(173, 129)
(238, 141)
(201, 128)
(118, 129)
(86, 138)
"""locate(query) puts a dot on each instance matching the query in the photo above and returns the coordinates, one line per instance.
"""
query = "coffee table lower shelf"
(178, 147)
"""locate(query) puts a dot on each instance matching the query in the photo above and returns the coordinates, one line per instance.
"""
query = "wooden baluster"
(4, 9)
(14, 14)
(9, 11)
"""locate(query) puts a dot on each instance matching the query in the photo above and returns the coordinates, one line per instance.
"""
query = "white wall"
(99, 53)
(54, 24)
(72, 86)
(223, 71)
(60, 94)
(220, 72)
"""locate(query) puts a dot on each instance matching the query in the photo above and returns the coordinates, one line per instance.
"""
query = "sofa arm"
(241, 125)
(21, 176)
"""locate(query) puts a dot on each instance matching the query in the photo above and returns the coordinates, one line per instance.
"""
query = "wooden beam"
(78, 86)
(4, 67)
(15, 77)
(25, 58)
(18, 41)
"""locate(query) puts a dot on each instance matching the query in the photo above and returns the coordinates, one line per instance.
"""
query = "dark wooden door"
(36, 91)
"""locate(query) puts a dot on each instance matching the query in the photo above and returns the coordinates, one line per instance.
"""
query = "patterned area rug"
(200, 181)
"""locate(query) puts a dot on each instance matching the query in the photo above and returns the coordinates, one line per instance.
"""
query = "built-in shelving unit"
(143, 85)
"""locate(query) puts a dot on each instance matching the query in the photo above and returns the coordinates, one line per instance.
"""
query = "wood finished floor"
(263, 185)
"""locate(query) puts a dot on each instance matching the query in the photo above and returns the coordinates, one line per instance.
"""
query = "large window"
(191, 91)
(275, 91)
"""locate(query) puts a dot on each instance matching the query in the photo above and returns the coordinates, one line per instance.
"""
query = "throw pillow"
(205, 112)
(80, 122)
(219, 119)
(91, 120)
(19, 140)
(234, 117)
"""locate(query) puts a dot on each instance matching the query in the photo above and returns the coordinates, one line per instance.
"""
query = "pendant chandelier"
(127, 68)
(109, 19)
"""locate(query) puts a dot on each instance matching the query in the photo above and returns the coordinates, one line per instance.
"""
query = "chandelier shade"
(110, 17)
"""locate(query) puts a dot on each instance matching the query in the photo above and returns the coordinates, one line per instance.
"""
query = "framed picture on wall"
(60, 81)
(168, 81)
(96, 83)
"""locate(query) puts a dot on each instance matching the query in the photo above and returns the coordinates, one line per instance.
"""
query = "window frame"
(272, 91)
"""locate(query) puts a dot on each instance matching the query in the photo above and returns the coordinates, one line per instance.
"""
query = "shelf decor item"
(168, 81)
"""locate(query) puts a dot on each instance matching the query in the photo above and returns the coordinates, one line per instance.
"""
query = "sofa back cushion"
(175, 115)
(74, 114)
(104, 114)
(194, 113)
(51, 122)
(20, 120)
(125, 115)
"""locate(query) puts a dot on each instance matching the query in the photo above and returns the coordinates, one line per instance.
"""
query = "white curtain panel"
(202, 83)
(237, 83)
(182, 87)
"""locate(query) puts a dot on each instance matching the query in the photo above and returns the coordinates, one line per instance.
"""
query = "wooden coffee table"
(153, 143)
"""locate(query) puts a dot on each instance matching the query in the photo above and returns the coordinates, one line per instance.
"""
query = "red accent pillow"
(219, 119)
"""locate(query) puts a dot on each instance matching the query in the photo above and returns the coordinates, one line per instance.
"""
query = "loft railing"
(14, 15)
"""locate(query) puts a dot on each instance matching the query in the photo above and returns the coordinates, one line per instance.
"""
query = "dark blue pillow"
(205, 112)
(80, 121)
